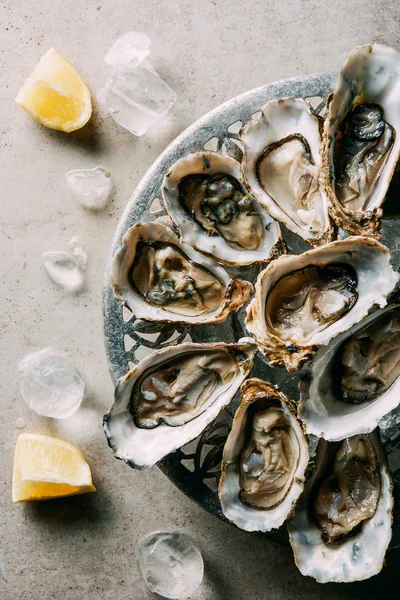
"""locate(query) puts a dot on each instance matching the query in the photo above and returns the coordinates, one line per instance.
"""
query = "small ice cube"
(51, 385)
(170, 564)
(80, 255)
(136, 98)
(64, 270)
(131, 48)
(20, 423)
(92, 187)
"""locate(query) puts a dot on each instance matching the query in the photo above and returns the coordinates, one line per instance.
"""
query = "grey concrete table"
(208, 51)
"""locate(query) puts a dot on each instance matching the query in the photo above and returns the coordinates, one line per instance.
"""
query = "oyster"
(170, 397)
(342, 524)
(162, 279)
(264, 459)
(283, 167)
(206, 198)
(362, 144)
(303, 301)
(354, 381)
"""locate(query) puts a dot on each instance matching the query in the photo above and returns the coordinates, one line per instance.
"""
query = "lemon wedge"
(46, 467)
(55, 95)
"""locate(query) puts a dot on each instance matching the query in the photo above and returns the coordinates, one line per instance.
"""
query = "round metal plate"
(195, 467)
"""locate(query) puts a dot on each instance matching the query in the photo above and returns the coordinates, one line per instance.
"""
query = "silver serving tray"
(195, 468)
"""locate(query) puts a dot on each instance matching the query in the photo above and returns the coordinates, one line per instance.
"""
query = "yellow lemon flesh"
(55, 95)
(46, 467)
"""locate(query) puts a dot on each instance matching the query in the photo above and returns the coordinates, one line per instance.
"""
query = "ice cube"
(170, 564)
(64, 270)
(20, 423)
(131, 48)
(79, 253)
(92, 187)
(136, 98)
(51, 385)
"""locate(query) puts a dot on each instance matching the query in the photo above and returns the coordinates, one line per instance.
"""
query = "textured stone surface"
(207, 51)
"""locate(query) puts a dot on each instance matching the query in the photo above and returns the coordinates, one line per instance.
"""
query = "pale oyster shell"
(214, 244)
(371, 75)
(322, 413)
(358, 557)
(290, 185)
(244, 515)
(142, 447)
(234, 292)
(375, 281)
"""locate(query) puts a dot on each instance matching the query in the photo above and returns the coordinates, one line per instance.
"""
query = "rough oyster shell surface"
(303, 301)
(361, 554)
(264, 459)
(355, 380)
(362, 137)
(162, 279)
(205, 195)
(283, 167)
(170, 397)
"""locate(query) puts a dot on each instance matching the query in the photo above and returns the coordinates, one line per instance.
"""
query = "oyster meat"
(342, 524)
(205, 195)
(264, 459)
(354, 381)
(362, 144)
(283, 167)
(170, 397)
(303, 301)
(162, 279)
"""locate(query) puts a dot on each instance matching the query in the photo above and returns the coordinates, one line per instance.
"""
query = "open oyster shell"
(162, 279)
(342, 524)
(303, 301)
(205, 196)
(170, 397)
(264, 459)
(283, 167)
(362, 141)
(354, 381)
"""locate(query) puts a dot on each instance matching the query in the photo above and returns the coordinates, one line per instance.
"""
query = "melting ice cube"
(170, 564)
(131, 48)
(79, 253)
(134, 94)
(51, 385)
(92, 187)
(137, 98)
(63, 269)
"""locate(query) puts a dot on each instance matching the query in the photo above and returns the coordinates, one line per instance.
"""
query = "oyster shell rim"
(124, 386)
(293, 495)
(190, 230)
(362, 222)
(384, 510)
(272, 206)
(293, 355)
(365, 416)
(237, 291)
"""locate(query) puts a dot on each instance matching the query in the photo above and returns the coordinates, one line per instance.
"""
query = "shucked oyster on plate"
(303, 301)
(362, 140)
(205, 196)
(162, 279)
(283, 167)
(170, 397)
(342, 524)
(354, 381)
(264, 459)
